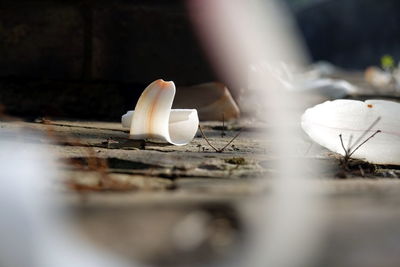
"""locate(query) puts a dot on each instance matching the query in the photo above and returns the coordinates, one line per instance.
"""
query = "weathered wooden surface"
(141, 199)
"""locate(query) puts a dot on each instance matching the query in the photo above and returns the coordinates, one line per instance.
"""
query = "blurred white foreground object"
(378, 77)
(153, 117)
(311, 86)
(329, 88)
(238, 34)
(389, 80)
(323, 69)
(33, 228)
(356, 121)
(295, 80)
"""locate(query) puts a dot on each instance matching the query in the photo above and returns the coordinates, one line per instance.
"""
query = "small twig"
(351, 150)
(205, 138)
(346, 154)
(364, 134)
(213, 147)
(341, 142)
(349, 153)
(350, 141)
(233, 139)
(366, 140)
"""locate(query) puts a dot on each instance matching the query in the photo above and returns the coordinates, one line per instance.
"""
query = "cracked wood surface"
(137, 198)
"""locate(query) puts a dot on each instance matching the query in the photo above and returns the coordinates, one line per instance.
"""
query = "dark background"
(352, 34)
(91, 59)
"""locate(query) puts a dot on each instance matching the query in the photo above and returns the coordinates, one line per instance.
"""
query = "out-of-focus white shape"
(323, 69)
(354, 119)
(329, 88)
(153, 117)
(237, 34)
(383, 79)
(311, 85)
(33, 227)
(296, 80)
(191, 232)
(377, 77)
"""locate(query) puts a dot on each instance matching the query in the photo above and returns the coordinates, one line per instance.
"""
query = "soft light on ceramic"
(154, 118)
(352, 119)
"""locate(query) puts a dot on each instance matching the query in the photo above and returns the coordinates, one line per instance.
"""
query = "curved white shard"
(153, 117)
(356, 121)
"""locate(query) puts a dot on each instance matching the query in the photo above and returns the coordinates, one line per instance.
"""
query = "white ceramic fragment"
(356, 121)
(153, 117)
(213, 102)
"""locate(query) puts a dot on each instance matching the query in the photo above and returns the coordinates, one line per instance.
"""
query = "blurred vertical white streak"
(34, 228)
(237, 34)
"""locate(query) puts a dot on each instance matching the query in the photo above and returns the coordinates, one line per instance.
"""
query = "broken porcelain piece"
(153, 117)
(356, 121)
(212, 100)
